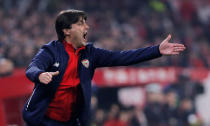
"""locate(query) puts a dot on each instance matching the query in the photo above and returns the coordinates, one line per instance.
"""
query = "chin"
(84, 43)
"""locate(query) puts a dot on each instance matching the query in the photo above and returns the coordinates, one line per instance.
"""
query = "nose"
(87, 26)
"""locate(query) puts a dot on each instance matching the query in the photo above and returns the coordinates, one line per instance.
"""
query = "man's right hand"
(46, 77)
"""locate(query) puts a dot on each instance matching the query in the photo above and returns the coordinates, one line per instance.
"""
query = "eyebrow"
(81, 21)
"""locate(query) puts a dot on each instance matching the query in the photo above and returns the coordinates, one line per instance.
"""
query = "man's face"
(78, 33)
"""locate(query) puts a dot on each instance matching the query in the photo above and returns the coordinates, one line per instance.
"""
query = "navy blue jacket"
(53, 57)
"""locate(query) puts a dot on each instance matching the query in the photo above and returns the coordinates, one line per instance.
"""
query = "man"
(63, 69)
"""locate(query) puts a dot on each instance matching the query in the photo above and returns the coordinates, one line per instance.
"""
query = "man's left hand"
(167, 48)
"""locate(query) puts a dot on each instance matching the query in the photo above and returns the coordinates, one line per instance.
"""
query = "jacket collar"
(70, 47)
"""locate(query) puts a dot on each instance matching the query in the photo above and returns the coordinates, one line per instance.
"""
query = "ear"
(66, 32)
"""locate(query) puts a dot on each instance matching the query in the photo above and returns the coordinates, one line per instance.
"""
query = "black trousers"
(50, 122)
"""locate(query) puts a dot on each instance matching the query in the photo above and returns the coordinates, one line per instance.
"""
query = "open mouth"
(85, 35)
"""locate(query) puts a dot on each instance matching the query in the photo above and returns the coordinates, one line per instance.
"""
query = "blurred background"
(169, 91)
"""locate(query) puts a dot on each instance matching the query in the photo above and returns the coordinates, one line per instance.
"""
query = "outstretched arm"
(167, 48)
(106, 58)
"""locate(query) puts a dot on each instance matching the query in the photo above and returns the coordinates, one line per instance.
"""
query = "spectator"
(171, 108)
(6, 67)
(146, 20)
(138, 118)
(154, 106)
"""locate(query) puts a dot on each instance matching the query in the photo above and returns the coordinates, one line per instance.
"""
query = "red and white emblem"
(85, 63)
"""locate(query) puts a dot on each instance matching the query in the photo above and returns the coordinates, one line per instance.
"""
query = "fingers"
(54, 73)
(46, 80)
(178, 49)
(168, 38)
(178, 45)
(46, 77)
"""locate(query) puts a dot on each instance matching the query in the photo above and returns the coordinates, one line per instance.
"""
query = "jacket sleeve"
(106, 58)
(39, 64)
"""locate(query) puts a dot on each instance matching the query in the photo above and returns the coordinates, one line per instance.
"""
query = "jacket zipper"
(30, 99)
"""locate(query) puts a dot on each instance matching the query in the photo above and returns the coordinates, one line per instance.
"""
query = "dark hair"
(65, 19)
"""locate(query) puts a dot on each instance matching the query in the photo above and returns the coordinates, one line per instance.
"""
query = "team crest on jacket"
(85, 63)
(56, 64)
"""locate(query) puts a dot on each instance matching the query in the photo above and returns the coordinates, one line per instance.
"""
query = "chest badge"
(85, 63)
(56, 64)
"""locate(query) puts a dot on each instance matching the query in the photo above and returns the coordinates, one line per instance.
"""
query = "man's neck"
(68, 40)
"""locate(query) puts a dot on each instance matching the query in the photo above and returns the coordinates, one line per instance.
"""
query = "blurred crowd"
(114, 24)
(173, 105)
